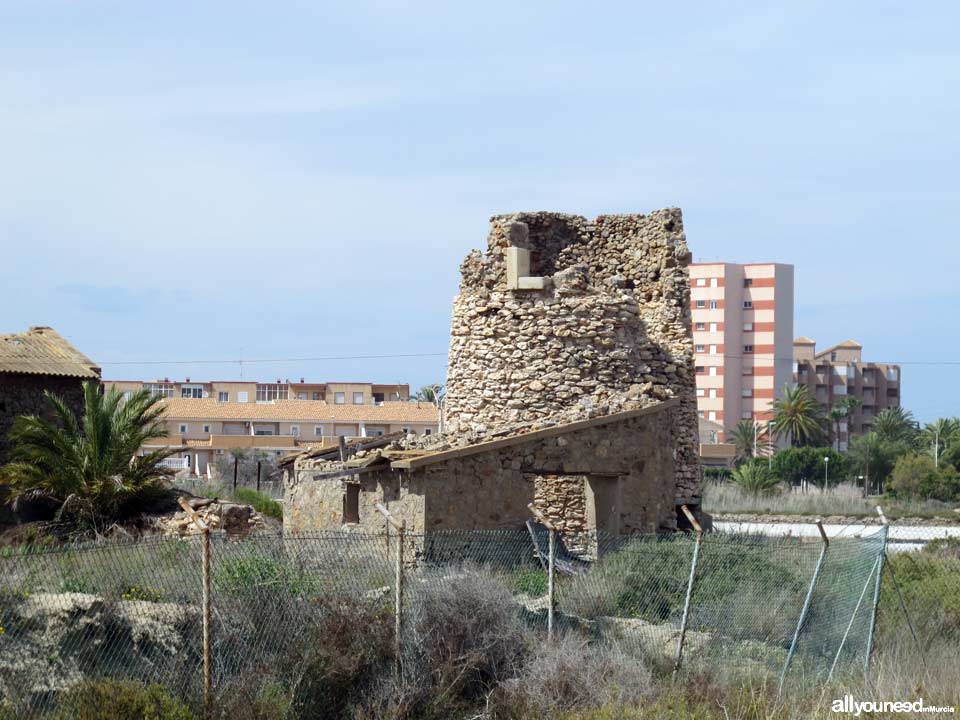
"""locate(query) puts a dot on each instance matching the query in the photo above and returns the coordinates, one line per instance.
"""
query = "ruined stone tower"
(565, 316)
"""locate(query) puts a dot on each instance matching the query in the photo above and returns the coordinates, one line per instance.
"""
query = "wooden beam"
(532, 436)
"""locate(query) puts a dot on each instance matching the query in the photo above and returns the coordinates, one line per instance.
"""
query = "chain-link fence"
(294, 618)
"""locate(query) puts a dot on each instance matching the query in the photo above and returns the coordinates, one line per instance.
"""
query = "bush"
(806, 463)
(571, 675)
(263, 504)
(121, 700)
(755, 479)
(916, 477)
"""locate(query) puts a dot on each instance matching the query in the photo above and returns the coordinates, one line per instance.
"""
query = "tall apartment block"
(743, 338)
(840, 372)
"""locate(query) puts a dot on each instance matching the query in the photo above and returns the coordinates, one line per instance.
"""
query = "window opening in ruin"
(351, 504)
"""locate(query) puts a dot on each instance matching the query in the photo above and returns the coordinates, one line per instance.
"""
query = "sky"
(214, 181)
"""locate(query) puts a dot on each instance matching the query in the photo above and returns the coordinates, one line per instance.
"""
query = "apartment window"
(747, 304)
(127, 395)
(700, 369)
(840, 370)
(318, 430)
(161, 389)
(748, 327)
(263, 431)
(713, 370)
(700, 392)
(206, 429)
(893, 374)
(748, 370)
(191, 391)
(271, 392)
(301, 396)
(340, 398)
(747, 349)
(746, 415)
(316, 396)
(713, 393)
(701, 282)
(223, 396)
(713, 350)
(701, 414)
(428, 431)
(358, 398)
(378, 397)
(833, 356)
(714, 305)
(295, 430)
(748, 282)
(701, 348)
(243, 396)
(714, 282)
(746, 392)
(394, 396)
(351, 503)
(701, 303)
(701, 326)
(183, 428)
(712, 417)
(713, 327)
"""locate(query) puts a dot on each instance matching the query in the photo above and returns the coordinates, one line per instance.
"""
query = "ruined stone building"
(570, 384)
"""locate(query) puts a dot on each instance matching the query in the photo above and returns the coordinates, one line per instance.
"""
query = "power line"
(239, 361)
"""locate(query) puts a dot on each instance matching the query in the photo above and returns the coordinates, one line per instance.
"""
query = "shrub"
(806, 463)
(263, 504)
(916, 477)
(571, 675)
(121, 700)
(755, 479)
(469, 636)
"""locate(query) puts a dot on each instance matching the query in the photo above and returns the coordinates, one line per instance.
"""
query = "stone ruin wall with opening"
(609, 330)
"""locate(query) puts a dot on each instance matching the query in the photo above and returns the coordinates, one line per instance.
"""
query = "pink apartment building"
(743, 338)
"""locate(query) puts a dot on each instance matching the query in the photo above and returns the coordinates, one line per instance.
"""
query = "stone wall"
(23, 395)
(489, 489)
(610, 328)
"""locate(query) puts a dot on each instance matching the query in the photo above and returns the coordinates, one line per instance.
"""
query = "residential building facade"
(840, 372)
(206, 419)
(742, 319)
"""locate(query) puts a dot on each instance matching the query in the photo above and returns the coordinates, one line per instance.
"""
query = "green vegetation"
(89, 469)
(121, 700)
(797, 417)
(916, 477)
(263, 504)
(754, 478)
(794, 465)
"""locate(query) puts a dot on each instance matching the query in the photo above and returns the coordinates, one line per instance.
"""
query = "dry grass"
(844, 499)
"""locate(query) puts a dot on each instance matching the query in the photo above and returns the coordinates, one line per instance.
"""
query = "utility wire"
(266, 360)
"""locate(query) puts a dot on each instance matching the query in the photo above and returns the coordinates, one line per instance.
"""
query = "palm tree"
(896, 425)
(938, 435)
(839, 412)
(797, 416)
(754, 478)
(88, 466)
(742, 437)
(873, 457)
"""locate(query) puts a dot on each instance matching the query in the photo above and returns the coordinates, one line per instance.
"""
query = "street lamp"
(826, 472)
(770, 441)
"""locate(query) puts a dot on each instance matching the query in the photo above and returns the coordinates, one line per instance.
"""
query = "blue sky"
(287, 180)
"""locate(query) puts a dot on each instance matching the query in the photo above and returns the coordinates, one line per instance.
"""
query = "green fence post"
(806, 605)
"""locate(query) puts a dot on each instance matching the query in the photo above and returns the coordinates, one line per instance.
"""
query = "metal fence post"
(876, 592)
(806, 605)
(551, 565)
(400, 527)
(206, 607)
(693, 573)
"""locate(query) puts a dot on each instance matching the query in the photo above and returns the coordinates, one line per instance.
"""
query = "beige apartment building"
(743, 333)
(840, 372)
(206, 419)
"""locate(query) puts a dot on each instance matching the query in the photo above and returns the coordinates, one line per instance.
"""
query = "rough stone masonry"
(564, 317)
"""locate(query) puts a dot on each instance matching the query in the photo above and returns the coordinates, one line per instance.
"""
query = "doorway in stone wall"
(603, 503)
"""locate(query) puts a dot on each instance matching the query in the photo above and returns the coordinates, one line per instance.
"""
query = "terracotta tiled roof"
(301, 410)
(803, 340)
(43, 351)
